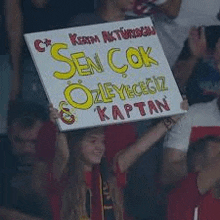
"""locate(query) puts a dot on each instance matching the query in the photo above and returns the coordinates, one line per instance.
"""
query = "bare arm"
(174, 166)
(57, 155)
(209, 176)
(62, 150)
(183, 68)
(171, 8)
(11, 214)
(14, 27)
(182, 71)
(127, 157)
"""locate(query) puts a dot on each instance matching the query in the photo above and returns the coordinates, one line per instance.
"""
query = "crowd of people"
(162, 169)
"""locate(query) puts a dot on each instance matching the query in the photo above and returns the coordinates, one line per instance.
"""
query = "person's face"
(213, 150)
(125, 5)
(206, 158)
(93, 147)
(24, 142)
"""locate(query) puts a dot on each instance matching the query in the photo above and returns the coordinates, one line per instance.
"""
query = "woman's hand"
(169, 122)
(184, 105)
(54, 114)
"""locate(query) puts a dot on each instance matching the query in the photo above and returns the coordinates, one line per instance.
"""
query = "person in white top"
(177, 140)
(173, 33)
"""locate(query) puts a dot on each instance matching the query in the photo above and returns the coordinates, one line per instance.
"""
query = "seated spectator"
(18, 157)
(197, 69)
(200, 120)
(197, 196)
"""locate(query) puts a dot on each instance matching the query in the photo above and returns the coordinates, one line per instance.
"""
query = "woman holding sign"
(79, 183)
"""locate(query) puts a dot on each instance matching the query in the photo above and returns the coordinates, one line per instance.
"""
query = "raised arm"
(61, 151)
(128, 156)
(14, 27)
(52, 155)
(193, 51)
(176, 143)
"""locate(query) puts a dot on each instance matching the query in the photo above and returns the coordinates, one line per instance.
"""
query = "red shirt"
(209, 208)
(55, 190)
(185, 199)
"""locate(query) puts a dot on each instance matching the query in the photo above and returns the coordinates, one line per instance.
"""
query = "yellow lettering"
(157, 83)
(163, 83)
(98, 66)
(109, 90)
(146, 58)
(133, 52)
(81, 67)
(134, 88)
(102, 92)
(120, 91)
(89, 98)
(152, 89)
(97, 100)
(116, 69)
(129, 92)
(57, 56)
(143, 88)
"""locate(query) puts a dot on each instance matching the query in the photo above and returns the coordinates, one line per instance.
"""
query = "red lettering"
(38, 47)
(73, 39)
(108, 36)
(102, 114)
(152, 107)
(141, 105)
(163, 105)
(116, 113)
(95, 39)
(128, 108)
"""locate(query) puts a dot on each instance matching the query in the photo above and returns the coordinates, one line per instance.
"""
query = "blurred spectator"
(5, 71)
(169, 8)
(197, 196)
(33, 16)
(197, 70)
(173, 32)
(17, 161)
(107, 11)
(201, 119)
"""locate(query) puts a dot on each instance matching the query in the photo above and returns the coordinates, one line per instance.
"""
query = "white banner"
(104, 74)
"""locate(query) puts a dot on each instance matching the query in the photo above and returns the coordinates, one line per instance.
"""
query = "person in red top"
(79, 183)
(197, 196)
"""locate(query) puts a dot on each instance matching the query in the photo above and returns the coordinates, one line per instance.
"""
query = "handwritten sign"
(104, 74)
